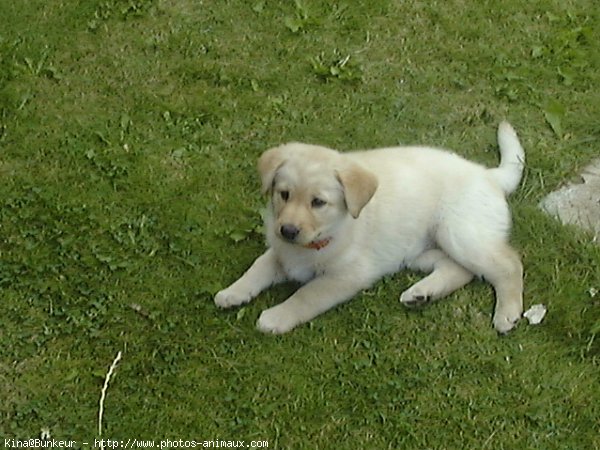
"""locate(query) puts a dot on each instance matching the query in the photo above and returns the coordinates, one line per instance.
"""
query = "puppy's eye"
(318, 202)
(285, 195)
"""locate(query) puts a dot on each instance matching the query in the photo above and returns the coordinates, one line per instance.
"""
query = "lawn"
(129, 133)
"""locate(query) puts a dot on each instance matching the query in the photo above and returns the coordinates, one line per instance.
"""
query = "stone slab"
(578, 203)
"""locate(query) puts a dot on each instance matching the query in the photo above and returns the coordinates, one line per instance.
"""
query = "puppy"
(338, 222)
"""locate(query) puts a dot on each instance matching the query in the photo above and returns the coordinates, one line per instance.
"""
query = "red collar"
(318, 245)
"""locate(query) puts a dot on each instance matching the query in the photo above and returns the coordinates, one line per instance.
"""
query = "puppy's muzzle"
(289, 232)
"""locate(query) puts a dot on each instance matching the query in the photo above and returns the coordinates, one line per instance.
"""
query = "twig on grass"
(112, 368)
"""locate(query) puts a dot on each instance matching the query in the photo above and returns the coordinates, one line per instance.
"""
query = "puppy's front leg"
(306, 303)
(264, 272)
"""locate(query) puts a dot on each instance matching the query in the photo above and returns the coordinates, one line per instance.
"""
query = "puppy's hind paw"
(413, 299)
(228, 298)
(504, 323)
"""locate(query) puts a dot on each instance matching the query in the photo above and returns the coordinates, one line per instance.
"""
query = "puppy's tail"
(512, 159)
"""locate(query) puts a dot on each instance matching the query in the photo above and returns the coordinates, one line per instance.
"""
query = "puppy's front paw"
(276, 320)
(229, 297)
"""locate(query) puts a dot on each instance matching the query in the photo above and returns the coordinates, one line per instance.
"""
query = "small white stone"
(535, 314)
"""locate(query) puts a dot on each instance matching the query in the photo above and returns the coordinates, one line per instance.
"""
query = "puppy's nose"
(289, 232)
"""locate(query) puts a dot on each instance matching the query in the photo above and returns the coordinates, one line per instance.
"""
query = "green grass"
(129, 131)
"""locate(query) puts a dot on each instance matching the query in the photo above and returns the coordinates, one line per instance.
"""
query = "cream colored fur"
(340, 221)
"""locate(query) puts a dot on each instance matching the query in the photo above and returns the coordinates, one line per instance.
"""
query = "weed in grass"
(118, 9)
(338, 68)
(299, 20)
(554, 113)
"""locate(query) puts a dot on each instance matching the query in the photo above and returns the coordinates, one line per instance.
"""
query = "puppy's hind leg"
(473, 231)
(500, 265)
(446, 276)
(506, 275)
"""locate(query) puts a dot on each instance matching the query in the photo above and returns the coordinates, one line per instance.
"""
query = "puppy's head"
(312, 190)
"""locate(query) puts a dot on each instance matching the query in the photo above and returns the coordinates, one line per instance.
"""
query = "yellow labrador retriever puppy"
(340, 221)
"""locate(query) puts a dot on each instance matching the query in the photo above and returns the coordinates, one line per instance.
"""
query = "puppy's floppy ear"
(268, 163)
(359, 186)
